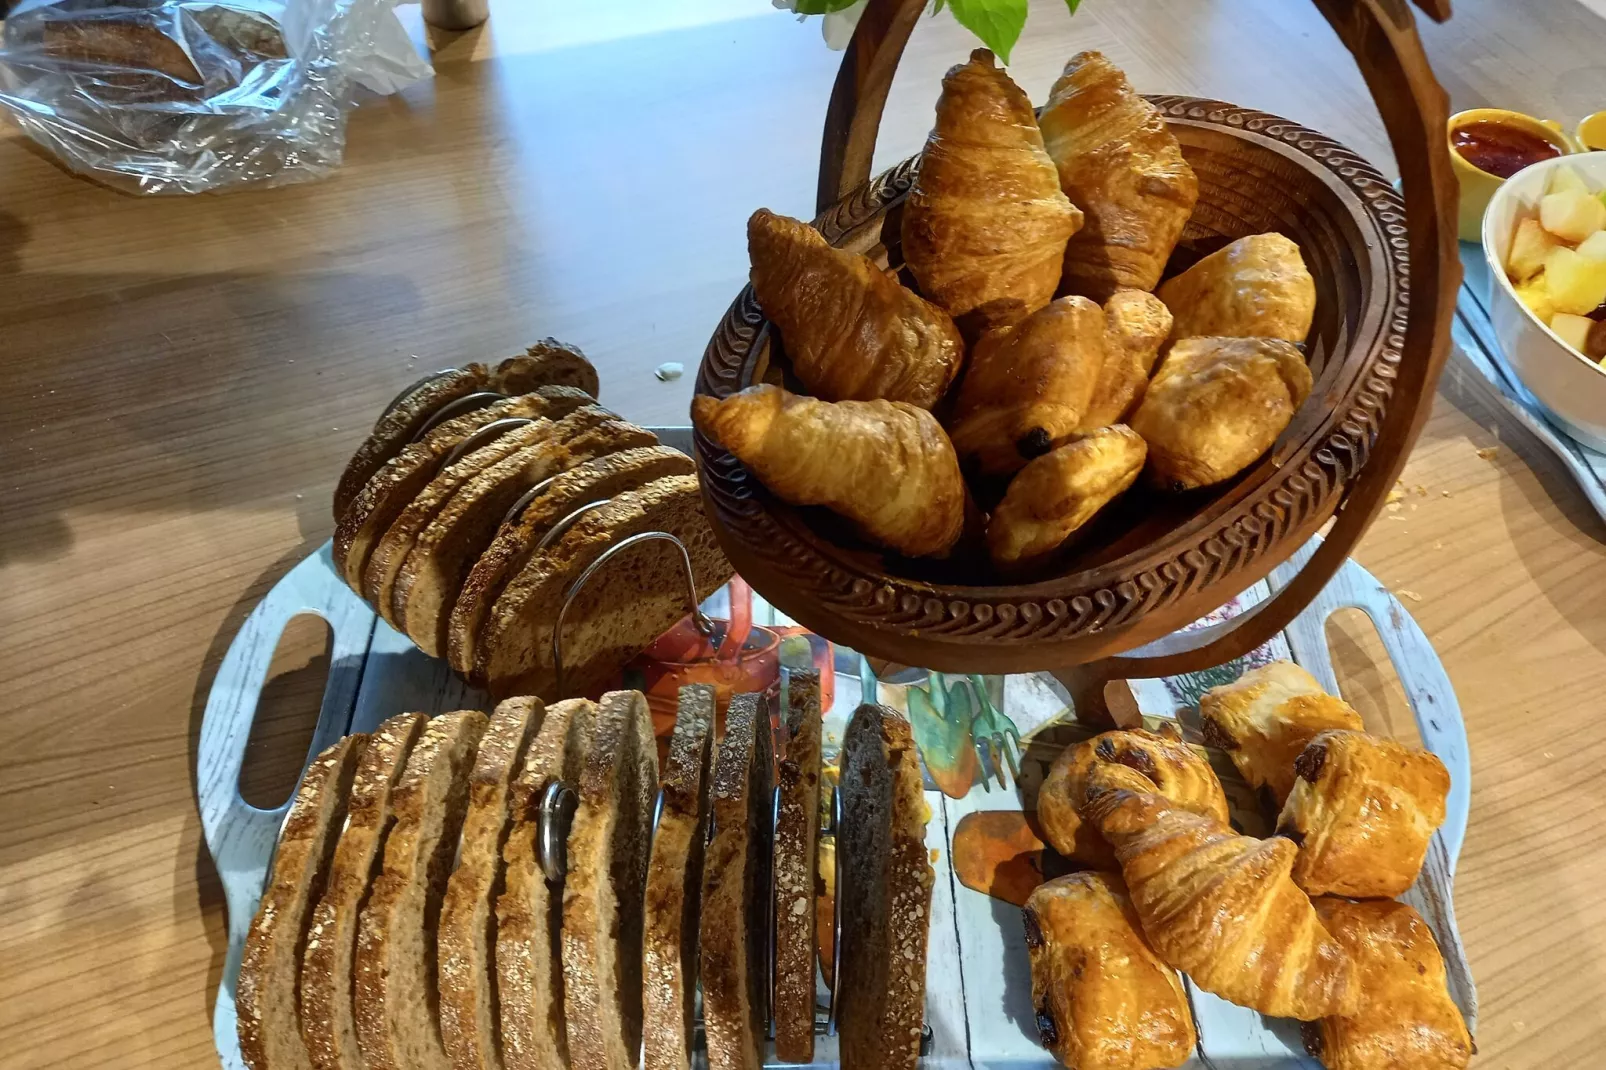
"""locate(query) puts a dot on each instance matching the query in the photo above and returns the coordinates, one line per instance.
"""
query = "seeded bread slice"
(265, 995)
(529, 957)
(327, 1025)
(598, 479)
(549, 361)
(604, 889)
(797, 833)
(674, 886)
(442, 554)
(885, 893)
(736, 890)
(397, 1024)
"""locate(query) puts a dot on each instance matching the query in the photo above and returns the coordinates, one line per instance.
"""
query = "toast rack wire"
(482, 437)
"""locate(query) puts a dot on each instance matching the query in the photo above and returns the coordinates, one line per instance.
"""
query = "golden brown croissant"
(1266, 717)
(1143, 761)
(885, 465)
(1406, 1019)
(851, 330)
(1136, 325)
(1362, 811)
(1216, 405)
(1027, 387)
(1104, 1000)
(1257, 287)
(1059, 492)
(1119, 163)
(1221, 907)
(985, 225)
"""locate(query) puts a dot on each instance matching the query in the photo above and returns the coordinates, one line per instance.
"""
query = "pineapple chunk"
(1536, 295)
(1564, 178)
(1571, 215)
(1577, 283)
(1574, 330)
(1594, 246)
(1529, 247)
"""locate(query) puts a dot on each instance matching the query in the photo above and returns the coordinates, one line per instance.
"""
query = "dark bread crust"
(797, 831)
(548, 362)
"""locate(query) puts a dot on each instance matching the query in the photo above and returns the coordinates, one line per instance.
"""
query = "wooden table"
(181, 381)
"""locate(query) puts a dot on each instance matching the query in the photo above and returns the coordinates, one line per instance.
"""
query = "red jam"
(1500, 149)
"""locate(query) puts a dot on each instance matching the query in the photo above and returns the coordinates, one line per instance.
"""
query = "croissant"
(1119, 163)
(1028, 387)
(851, 330)
(1059, 492)
(1362, 811)
(1266, 717)
(885, 465)
(1104, 999)
(1136, 325)
(1141, 760)
(1406, 1018)
(1221, 907)
(985, 224)
(1257, 287)
(1216, 405)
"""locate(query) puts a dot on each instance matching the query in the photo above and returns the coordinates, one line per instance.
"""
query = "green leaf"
(937, 5)
(821, 7)
(1073, 5)
(997, 22)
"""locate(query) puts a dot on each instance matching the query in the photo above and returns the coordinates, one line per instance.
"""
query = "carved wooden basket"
(1156, 562)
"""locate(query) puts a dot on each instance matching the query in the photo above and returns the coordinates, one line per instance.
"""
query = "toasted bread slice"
(623, 608)
(674, 886)
(885, 893)
(327, 1025)
(397, 1025)
(736, 890)
(548, 362)
(432, 575)
(598, 479)
(797, 834)
(605, 886)
(529, 957)
(265, 994)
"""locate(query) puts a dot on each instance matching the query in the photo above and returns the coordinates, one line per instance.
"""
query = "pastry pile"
(1301, 925)
(1037, 364)
(483, 493)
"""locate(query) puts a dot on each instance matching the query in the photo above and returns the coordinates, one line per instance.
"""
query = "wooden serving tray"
(978, 1002)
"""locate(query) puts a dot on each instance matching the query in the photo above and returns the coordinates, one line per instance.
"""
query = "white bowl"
(1566, 382)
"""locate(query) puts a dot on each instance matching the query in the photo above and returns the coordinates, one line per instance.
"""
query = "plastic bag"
(186, 96)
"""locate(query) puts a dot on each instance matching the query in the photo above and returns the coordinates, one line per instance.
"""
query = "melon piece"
(1577, 283)
(1574, 330)
(1572, 215)
(1529, 247)
(1565, 179)
(1594, 246)
(1536, 295)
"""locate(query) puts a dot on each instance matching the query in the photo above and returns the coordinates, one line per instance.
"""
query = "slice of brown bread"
(265, 995)
(736, 890)
(442, 554)
(327, 1025)
(797, 834)
(529, 955)
(466, 937)
(631, 602)
(549, 361)
(397, 1024)
(674, 886)
(885, 893)
(605, 885)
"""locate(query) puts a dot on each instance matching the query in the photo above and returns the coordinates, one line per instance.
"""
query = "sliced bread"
(736, 890)
(598, 479)
(549, 361)
(397, 1024)
(605, 885)
(797, 834)
(466, 936)
(265, 1000)
(885, 893)
(529, 957)
(674, 886)
(327, 1025)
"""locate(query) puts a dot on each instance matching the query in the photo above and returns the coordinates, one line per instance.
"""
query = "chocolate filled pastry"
(1136, 325)
(1257, 287)
(1061, 491)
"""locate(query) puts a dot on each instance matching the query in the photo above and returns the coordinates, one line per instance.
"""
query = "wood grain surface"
(181, 381)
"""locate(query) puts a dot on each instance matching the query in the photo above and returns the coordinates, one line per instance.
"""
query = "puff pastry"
(1264, 719)
(1059, 492)
(1136, 325)
(1104, 1000)
(1216, 405)
(851, 330)
(1119, 163)
(985, 225)
(1362, 811)
(1406, 1019)
(1142, 760)
(1222, 907)
(1257, 287)
(885, 465)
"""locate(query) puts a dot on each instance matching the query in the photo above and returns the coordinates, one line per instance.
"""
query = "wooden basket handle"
(1381, 35)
